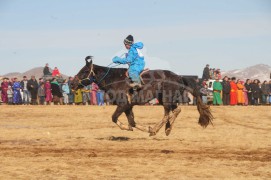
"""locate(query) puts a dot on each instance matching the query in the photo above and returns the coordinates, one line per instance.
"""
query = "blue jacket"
(134, 58)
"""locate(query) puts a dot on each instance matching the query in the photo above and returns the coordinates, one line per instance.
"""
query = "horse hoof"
(151, 131)
(130, 128)
(168, 130)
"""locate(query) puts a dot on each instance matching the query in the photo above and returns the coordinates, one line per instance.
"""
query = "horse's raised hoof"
(167, 131)
(151, 131)
(130, 128)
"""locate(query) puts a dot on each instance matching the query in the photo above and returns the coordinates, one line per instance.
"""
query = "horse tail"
(206, 116)
(204, 110)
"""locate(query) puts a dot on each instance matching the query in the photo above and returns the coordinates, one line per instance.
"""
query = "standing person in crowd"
(1, 80)
(186, 98)
(204, 93)
(240, 93)
(94, 89)
(48, 92)
(249, 91)
(11, 81)
(257, 92)
(78, 98)
(217, 88)
(41, 94)
(204, 82)
(17, 99)
(107, 99)
(253, 85)
(265, 87)
(218, 73)
(56, 92)
(32, 86)
(233, 94)
(41, 81)
(66, 91)
(71, 94)
(226, 91)
(198, 86)
(214, 75)
(4, 87)
(10, 95)
(86, 95)
(100, 97)
(46, 70)
(210, 73)
(56, 72)
(245, 94)
(26, 93)
(206, 72)
(270, 91)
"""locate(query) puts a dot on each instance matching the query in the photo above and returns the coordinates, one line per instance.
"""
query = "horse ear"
(88, 63)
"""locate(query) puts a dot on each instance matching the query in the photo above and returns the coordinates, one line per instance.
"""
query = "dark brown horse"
(164, 85)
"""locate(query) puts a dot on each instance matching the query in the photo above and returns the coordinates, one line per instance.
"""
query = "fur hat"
(129, 40)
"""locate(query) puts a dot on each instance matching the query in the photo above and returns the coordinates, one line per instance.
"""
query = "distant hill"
(37, 72)
(259, 71)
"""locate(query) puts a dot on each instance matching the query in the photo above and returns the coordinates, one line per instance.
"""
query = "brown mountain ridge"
(37, 72)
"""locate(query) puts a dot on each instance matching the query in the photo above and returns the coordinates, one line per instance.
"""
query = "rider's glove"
(115, 59)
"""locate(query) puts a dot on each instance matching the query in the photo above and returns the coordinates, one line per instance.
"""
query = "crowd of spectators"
(232, 91)
(46, 92)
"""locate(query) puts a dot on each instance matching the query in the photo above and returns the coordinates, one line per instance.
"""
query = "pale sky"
(179, 35)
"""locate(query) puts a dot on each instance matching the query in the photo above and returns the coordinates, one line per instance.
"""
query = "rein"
(108, 69)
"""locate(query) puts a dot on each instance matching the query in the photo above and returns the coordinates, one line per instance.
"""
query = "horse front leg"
(172, 118)
(115, 116)
(130, 116)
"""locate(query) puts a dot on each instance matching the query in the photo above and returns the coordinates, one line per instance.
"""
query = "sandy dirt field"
(81, 142)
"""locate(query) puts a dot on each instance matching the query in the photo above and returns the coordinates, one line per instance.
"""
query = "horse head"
(85, 76)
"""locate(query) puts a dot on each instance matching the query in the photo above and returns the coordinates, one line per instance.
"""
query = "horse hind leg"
(159, 125)
(172, 118)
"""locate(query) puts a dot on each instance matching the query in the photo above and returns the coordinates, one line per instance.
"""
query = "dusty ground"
(81, 142)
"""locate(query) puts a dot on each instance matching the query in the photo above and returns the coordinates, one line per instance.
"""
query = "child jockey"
(134, 59)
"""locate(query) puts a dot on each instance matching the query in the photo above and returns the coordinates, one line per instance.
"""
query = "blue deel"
(135, 60)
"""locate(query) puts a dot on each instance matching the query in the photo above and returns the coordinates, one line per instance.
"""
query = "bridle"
(91, 72)
(88, 78)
